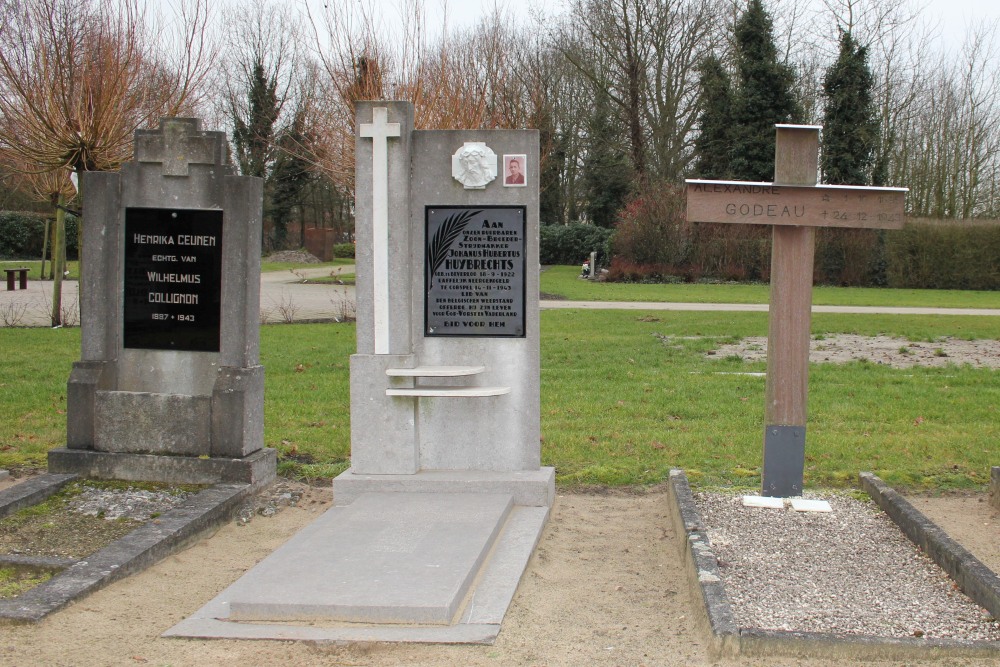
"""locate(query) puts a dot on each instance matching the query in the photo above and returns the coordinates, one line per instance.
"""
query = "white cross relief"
(379, 132)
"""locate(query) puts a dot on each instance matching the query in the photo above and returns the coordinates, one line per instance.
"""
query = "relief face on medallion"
(474, 165)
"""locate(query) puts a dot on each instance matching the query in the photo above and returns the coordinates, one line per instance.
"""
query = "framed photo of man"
(515, 170)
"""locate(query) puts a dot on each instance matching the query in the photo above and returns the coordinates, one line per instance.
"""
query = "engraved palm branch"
(446, 234)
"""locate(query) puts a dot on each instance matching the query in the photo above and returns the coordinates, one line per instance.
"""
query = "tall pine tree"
(254, 120)
(764, 97)
(289, 177)
(607, 175)
(714, 143)
(850, 122)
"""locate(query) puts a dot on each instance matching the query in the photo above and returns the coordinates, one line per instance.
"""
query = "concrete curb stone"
(133, 553)
(31, 492)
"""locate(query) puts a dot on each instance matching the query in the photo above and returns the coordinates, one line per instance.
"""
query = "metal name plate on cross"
(794, 205)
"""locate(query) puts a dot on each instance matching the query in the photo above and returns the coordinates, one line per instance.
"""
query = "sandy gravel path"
(605, 587)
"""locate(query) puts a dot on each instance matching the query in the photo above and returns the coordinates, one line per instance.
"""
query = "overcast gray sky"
(954, 15)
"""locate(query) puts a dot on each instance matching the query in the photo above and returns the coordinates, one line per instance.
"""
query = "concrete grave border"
(131, 554)
(729, 639)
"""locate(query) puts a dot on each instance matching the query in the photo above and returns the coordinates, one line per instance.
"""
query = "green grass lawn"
(338, 279)
(72, 265)
(625, 396)
(291, 266)
(564, 281)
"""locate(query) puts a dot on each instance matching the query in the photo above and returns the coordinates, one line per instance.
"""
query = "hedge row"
(944, 257)
(654, 242)
(343, 250)
(919, 256)
(572, 244)
(22, 235)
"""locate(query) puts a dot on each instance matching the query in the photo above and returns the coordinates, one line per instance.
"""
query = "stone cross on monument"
(794, 205)
(177, 145)
(379, 131)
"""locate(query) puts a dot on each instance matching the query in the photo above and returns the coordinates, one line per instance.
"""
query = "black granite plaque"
(173, 279)
(474, 271)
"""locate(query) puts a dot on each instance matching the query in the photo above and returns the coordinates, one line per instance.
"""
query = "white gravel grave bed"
(851, 571)
(135, 504)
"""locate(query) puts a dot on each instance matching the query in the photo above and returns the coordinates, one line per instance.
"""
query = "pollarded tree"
(850, 124)
(764, 95)
(714, 143)
(78, 77)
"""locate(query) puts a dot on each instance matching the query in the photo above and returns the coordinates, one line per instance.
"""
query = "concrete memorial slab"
(435, 521)
(794, 205)
(169, 387)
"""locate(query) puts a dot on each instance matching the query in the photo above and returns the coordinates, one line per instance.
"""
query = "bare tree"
(78, 77)
(953, 139)
(262, 55)
(464, 79)
(645, 53)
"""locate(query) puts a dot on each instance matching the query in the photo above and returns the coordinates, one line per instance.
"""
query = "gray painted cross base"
(794, 205)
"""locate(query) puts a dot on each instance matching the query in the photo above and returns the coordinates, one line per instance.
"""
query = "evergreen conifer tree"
(714, 143)
(850, 123)
(607, 176)
(764, 96)
(254, 124)
(289, 177)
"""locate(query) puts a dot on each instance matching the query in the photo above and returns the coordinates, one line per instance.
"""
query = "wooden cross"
(379, 131)
(179, 143)
(794, 205)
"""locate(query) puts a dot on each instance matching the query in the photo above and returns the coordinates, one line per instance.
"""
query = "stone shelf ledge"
(435, 371)
(454, 392)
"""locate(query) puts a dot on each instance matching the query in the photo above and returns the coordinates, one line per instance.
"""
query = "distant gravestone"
(169, 386)
(794, 205)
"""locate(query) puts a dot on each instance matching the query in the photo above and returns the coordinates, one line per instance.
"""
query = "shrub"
(22, 235)
(624, 271)
(653, 242)
(850, 257)
(571, 244)
(343, 250)
(730, 252)
(952, 256)
(653, 232)
(652, 229)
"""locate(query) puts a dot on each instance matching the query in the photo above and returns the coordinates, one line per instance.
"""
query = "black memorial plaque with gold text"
(173, 279)
(474, 271)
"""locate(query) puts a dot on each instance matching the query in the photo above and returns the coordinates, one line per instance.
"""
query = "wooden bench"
(22, 274)
(441, 372)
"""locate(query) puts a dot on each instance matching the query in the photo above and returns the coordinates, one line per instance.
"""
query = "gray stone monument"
(169, 386)
(444, 385)
(436, 519)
